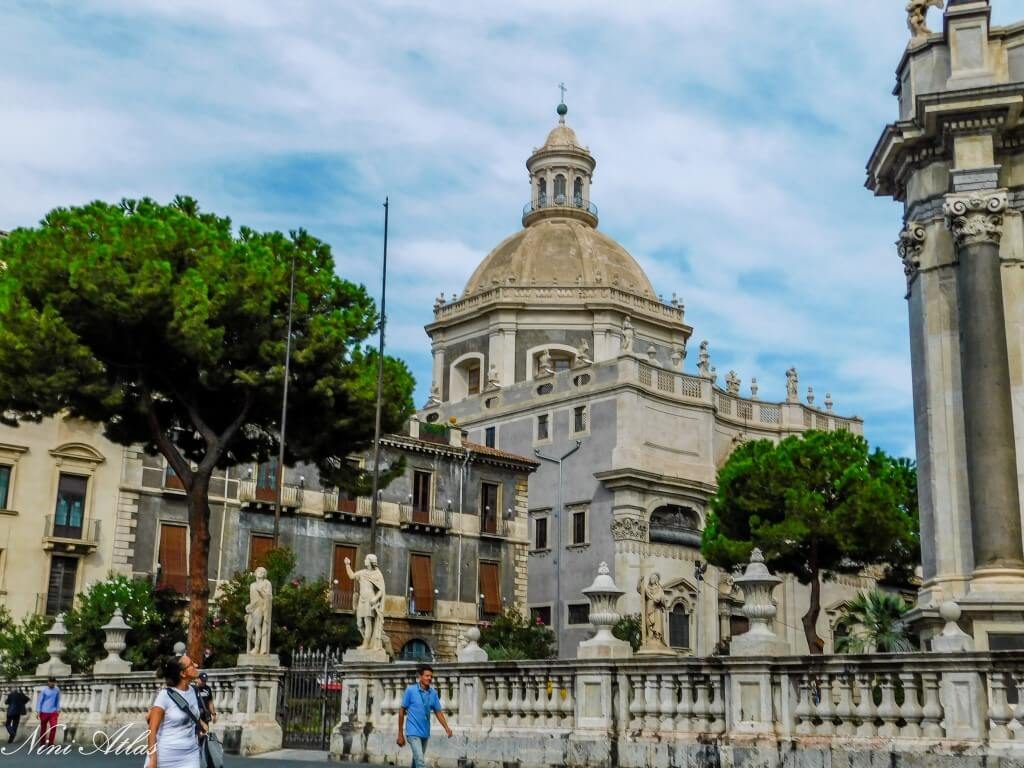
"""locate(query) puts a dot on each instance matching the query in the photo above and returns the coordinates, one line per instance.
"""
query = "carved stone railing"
(636, 713)
(96, 707)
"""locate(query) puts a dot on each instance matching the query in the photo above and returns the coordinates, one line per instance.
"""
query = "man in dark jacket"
(16, 701)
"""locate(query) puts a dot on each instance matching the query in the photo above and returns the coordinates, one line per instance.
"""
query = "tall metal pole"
(374, 502)
(558, 541)
(284, 409)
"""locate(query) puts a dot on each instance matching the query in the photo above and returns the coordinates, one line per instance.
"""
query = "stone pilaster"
(975, 219)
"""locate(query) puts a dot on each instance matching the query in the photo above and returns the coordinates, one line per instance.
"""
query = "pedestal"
(53, 668)
(364, 656)
(604, 648)
(259, 660)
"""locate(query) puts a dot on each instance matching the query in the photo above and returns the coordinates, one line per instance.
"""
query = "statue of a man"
(627, 334)
(369, 581)
(792, 382)
(704, 360)
(655, 608)
(258, 613)
(917, 17)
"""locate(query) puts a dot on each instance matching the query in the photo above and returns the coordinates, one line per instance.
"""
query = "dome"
(560, 251)
(561, 136)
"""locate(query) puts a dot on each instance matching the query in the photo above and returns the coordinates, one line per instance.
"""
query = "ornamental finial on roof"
(562, 110)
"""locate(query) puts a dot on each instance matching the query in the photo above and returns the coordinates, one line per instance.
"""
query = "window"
(259, 547)
(416, 650)
(542, 427)
(171, 479)
(473, 379)
(489, 510)
(60, 592)
(490, 589)
(559, 189)
(541, 615)
(679, 627)
(579, 613)
(421, 496)
(561, 362)
(70, 511)
(266, 481)
(577, 192)
(542, 192)
(579, 527)
(540, 533)
(579, 418)
(421, 585)
(341, 596)
(172, 558)
(491, 437)
(5, 486)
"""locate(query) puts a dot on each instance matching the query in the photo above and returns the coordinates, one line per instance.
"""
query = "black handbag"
(211, 751)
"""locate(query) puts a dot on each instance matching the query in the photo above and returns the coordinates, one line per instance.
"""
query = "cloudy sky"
(730, 135)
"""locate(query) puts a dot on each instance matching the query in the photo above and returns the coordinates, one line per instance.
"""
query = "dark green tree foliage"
(168, 328)
(303, 616)
(156, 622)
(22, 644)
(511, 636)
(873, 623)
(815, 505)
(628, 628)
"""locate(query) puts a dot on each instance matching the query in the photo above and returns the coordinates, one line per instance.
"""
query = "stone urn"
(604, 596)
(56, 645)
(116, 631)
(758, 583)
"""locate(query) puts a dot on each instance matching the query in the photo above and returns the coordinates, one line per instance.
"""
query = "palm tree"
(873, 623)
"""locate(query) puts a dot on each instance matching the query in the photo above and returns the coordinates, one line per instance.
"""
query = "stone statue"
(627, 334)
(732, 383)
(792, 382)
(544, 364)
(655, 609)
(493, 379)
(753, 389)
(583, 353)
(917, 17)
(828, 402)
(704, 360)
(258, 614)
(369, 581)
(678, 355)
(435, 396)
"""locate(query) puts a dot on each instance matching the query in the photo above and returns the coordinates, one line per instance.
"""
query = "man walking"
(16, 701)
(49, 710)
(414, 715)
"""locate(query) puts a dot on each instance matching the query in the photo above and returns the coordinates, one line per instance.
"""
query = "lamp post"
(284, 408)
(558, 536)
(375, 498)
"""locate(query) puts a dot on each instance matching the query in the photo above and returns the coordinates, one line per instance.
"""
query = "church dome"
(561, 136)
(560, 252)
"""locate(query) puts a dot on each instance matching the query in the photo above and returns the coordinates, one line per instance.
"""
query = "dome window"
(559, 189)
(466, 376)
(542, 192)
(577, 192)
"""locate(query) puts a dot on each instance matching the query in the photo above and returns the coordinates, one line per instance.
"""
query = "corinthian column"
(976, 222)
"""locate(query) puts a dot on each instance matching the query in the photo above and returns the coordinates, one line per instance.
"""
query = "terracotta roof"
(477, 448)
(482, 450)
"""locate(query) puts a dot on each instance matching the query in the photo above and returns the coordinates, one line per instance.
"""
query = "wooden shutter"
(343, 584)
(489, 507)
(259, 546)
(60, 594)
(422, 582)
(421, 497)
(490, 588)
(173, 558)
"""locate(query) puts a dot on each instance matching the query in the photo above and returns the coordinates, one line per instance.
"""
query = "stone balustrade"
(645, 712)
(94, 707)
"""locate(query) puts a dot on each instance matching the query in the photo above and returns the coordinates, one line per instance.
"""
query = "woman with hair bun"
(174, 717)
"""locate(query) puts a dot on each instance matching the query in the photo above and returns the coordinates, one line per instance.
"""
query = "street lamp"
(558, 535)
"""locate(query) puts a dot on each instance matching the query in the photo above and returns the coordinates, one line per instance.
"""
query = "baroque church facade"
(560, 348)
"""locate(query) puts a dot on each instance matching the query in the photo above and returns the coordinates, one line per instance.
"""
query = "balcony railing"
(495, 525)
(342, 599)
(358, 509)
(418, 611)
(57, 535)
(252, 494)
(574, 206)
(427, 519)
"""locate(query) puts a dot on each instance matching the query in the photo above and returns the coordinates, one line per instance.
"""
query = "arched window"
(466, 377)
(559, 189)
(577, 192)
(679, 627)
(416, 650)
(542, 192)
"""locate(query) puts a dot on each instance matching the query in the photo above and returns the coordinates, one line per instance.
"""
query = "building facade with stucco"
(560, 348)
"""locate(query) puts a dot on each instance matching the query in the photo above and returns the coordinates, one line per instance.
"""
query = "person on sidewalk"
(208, 712)
(49, 710)
(16, 701)
(414, 715)
(174, 722)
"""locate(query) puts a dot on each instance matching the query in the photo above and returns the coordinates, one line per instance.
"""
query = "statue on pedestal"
(654, 599)
(792, 383)
(627, 335)
(917, 17)
(704, 360)
(258, 614)
(369, 581)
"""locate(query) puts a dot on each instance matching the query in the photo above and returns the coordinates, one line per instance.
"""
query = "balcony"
(495, 526)
(77, 539)
(419, 612)
(560, 206)
(427, 520)
(342, 599)
(254, 496)
(358, 510)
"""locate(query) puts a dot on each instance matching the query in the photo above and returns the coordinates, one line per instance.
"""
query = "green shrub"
(22, 644)
(628, 628)
(511, 636)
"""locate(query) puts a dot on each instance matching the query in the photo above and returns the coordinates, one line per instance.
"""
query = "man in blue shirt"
(414, 715)
(48, 708)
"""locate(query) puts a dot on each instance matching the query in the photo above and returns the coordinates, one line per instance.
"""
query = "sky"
(730, 136)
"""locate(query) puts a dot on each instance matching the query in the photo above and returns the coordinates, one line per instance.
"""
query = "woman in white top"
(172, 730)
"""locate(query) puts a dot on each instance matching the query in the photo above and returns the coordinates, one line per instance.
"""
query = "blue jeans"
(418, 745)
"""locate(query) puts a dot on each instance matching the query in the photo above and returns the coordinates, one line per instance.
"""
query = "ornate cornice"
(909, 247)
(629, 529)
(976, 218)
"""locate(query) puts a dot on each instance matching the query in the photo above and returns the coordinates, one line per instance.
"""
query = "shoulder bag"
(211, 751)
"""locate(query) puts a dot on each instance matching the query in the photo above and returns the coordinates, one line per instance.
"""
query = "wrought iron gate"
(310, 699)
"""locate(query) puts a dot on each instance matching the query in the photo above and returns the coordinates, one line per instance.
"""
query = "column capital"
(976, 217)
(910, 245)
